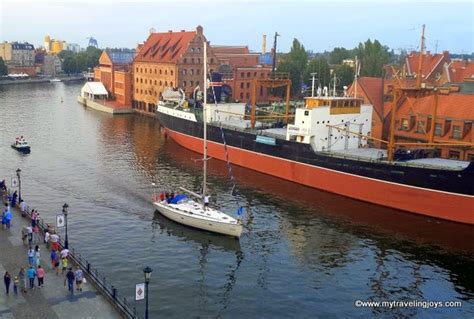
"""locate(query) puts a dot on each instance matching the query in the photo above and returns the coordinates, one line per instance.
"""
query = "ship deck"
(377, 154)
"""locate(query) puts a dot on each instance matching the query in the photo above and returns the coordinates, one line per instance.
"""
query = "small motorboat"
(55, 80)
(21, 145)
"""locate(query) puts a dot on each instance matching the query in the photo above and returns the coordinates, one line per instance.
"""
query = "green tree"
(320, 66)
(373, 56)
(295, 63)
(345, 74)
(3, 67)
(338, 55)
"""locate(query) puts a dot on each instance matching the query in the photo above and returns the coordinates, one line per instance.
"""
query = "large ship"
(327, 148)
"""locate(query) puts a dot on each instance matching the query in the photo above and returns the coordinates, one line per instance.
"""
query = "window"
(404, 125)
(241, 95)
(184, 84)
(161, 83)
(457, 132)
(247, 95)
(166, 72)
(192, 60)
(141, 70)
(248, 85)
(171, 72)
(161, 71)
(191, 72)
(184, 71)
(141, 80)
(248, 74)
(212, 60)
(136, 80)
(438, 129)
(155, 82)
(145, 81)
(454, 154)
(198, 71)
(192, 49)
(171, 83)
(198, 50)
(241, 85)
(145, 70)
(166, 83)
(261, 90)
(242, 75)
(137, 69)
(155, 70)
(199, 60)
(185, 60)
(192, 83)
(420, 127)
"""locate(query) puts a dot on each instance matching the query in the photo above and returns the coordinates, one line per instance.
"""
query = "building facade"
(169, 60)
(19, 57)
(239, 68)
(116, 73)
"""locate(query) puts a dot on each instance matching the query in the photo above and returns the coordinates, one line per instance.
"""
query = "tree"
(345, 74)
(320, 66)
(373, 56)
(3, 67)
(295, 63)
(338, 55)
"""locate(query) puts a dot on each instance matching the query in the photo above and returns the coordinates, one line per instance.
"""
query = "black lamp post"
(65, 207)
(147, 272)
(18, 171)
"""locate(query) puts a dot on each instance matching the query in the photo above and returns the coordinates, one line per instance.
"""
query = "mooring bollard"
(114, 292)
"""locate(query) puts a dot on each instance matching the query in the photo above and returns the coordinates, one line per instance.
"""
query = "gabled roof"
(166, 47)
(119, 57)
(94, 88)
(373, 89)
(429, 64)
(460, 70)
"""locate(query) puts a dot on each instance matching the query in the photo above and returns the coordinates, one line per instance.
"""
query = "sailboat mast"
(204, 118)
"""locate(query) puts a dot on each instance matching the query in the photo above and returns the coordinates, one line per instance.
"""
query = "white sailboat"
(184, 210)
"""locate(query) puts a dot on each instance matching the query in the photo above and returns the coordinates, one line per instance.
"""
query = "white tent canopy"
(92, 90)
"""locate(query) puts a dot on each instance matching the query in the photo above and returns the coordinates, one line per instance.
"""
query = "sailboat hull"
(234, 230)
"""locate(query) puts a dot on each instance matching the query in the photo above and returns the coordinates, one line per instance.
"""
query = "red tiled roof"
(165, 47)
(456, 106)
(229, 49)
(373, 89)
(460, 70)
(430, 62)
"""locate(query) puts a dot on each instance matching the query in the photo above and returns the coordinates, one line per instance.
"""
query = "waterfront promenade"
(51, 301)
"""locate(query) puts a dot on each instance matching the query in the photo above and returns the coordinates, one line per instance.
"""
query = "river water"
(303, 254)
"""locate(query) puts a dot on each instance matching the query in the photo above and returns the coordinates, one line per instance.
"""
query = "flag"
(240, 211)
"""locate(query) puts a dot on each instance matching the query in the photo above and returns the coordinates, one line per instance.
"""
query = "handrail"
(101, 283)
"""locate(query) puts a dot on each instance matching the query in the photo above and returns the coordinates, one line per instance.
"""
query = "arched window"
(160, 71)
(184, 71)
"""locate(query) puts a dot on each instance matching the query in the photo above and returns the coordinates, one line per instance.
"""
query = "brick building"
(115, 72)
(19, 57)
(239, 67)
(454, 120)
(169, 60)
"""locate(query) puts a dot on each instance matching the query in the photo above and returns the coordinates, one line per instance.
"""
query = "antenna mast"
(204, 118)
(420, 62)
(274, 53)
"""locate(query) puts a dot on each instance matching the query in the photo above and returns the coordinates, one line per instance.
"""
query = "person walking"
(31, 256)
(29, 231)
(36, 235)
(14, 198)
(46, 239)
(37, 255)
(79, 279)
(70, 281)
(54, 239)
(64, 264)
(64, 253)
(16, 282)
(24, 235)
(31, 273)
(7, 279)
(40, 275)
(22, 277)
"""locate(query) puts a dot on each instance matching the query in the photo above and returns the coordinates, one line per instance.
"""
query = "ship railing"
(100, 282)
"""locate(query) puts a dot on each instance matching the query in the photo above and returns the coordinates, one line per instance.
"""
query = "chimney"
(446, 54)
(170, 31)
(264, 44)
(183, 31)
(199, 30)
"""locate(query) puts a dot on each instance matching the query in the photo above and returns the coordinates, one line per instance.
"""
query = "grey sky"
(319, 25)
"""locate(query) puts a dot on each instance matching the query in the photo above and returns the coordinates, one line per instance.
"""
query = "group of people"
(19, 140)
(59, 258)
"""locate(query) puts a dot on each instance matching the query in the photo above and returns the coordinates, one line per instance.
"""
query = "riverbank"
(53, 300)
(41, 80)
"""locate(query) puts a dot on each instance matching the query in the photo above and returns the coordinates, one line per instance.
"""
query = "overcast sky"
(319, 25)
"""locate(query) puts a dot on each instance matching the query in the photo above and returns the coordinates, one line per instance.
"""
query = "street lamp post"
(147, 272)
(18, 171)
(65, 207)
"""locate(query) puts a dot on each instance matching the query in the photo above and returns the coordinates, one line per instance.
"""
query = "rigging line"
(229, 166)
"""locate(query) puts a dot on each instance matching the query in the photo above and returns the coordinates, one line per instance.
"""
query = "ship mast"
(420, 61)
(204, 180)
